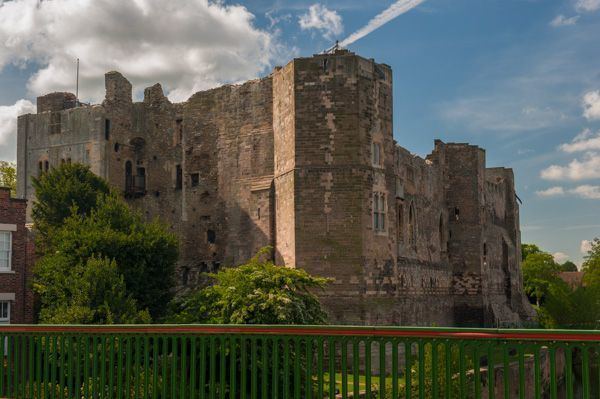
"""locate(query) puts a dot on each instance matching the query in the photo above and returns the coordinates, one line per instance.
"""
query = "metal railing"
(247, 362)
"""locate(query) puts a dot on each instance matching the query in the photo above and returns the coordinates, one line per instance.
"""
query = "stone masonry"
(303, 160)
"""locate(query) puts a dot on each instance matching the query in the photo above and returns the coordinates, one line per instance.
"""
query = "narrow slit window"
(178, 177)
(107, 129)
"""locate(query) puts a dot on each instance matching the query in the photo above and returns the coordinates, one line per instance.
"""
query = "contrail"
(393, 11)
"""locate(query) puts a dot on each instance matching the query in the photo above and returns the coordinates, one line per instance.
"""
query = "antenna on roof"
(333, 49)
(77, 86)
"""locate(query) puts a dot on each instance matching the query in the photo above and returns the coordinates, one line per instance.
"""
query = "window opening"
(379, 211)
(195, 179)
(5, 250)
(211, 236)
(4, 313)
(400, 227)
(178, 177)
(107, 129)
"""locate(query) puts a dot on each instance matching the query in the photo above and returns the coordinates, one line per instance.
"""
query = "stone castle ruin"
(303, 160)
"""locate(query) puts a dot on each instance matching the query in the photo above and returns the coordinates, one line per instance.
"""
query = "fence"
(248, 362)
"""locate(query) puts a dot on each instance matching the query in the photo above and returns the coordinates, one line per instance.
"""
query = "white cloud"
(551, 192)
(587, 191)
(591, 105)
(587, 5)
(584, 141)
(561, 20)
(585, 247)
(320, 18)
(588, 168)
(560, 257)
(186, 45)
(8, 127)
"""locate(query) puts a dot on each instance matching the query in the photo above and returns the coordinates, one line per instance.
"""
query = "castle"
(303, 160)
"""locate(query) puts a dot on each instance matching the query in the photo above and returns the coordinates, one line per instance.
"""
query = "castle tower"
(330, 111)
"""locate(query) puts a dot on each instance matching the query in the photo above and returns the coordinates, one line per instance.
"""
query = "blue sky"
(520, 78)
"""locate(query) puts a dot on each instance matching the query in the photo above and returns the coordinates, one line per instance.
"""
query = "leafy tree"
(568, 266)
(528, 249)
(591, 264)
(258, 292)
(8, 176)
(540, 272)
(571, 308)
(66, 187)
(144, 253)
(92, 292)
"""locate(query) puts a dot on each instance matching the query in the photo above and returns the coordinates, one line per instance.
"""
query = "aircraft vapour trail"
(393, 11)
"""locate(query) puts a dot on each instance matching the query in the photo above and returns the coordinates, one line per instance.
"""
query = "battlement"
(55, 102)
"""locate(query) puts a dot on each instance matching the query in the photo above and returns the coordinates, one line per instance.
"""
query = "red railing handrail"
(387, 332)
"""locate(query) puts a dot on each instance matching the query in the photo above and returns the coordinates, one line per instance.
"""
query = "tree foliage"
(100, 262)
(145, 253)
(8, 176)
(61, 189)
(577, 308)
(93, 292)
(591, 264)
(568, 266)
(258, 292)
(540, 273)
(528, 249)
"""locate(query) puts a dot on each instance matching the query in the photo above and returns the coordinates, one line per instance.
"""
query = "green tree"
(93, 292)
(568, 266)
(528, 249)
(8, 176)
(258, 292)
(62, 189)
(591, 264)
(145, 253)
(577, 308)
(540, 272)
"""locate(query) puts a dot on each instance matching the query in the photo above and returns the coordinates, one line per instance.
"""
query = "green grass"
(362, 386)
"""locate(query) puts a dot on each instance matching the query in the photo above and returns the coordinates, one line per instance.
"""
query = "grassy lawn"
(362, 386)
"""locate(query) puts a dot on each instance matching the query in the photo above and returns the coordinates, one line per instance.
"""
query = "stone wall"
(303, 160)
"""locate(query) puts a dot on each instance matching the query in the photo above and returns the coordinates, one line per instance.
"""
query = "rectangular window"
(107, 129)
(399, 189)
(4, 312)
(376, 154)
(178, 178)
(5, 250)
(379, 212)
(195, 179)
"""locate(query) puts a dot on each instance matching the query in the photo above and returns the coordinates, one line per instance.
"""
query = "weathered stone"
(296, 160)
